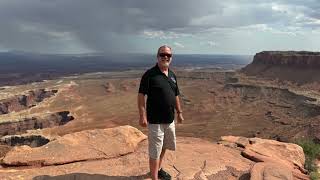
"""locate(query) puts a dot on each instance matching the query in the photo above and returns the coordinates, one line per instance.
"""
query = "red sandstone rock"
(193, 159)
(295, 66)
(116, 153)
(270, 171)
(288, 58)
(80, 146)
(109, 87)
(286, 155)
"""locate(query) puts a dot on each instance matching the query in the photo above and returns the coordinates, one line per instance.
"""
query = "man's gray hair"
(163, 46)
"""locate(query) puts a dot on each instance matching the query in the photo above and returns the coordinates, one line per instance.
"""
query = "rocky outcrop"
(122, 153)
(21, 102)
(11, 127)
(109, 87)
(193, 159)
(80, 146)
(280, 159)
(296, 66)
(300, 59)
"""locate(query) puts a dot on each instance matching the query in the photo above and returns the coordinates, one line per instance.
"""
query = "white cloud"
(209, 44)
(162, 34)
(279, 8)
(212, 43)
(179, 45)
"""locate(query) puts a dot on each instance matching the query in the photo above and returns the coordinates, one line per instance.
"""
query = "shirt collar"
(158, 69)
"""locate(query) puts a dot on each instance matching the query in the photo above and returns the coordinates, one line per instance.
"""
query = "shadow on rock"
(84, 176)
(245, 176)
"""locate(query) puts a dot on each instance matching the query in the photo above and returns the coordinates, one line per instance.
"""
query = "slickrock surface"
(282, 156)
(80, 146)
(122, 153)
(261, 171)
(112, 154)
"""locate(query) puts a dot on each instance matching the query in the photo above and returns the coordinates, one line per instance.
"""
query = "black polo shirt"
(162, 91)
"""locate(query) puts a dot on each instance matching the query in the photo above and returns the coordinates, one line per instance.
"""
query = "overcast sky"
(189, 26)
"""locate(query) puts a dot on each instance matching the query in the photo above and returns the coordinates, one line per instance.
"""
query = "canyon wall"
(21, 102)
(297, 66)
(21, 126)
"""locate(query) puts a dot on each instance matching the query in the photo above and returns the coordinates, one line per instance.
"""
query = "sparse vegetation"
(311, 151)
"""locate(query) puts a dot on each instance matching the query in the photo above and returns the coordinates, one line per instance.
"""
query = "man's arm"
(142, 110)
(180, 118)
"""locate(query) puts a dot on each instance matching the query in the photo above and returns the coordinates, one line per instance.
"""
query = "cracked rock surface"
(120, 153)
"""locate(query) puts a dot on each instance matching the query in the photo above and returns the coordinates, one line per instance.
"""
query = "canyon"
(89, 123)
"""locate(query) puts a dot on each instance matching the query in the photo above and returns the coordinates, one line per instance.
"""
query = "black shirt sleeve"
(144, 84)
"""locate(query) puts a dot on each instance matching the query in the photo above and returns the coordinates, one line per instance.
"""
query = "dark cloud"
(100, 25)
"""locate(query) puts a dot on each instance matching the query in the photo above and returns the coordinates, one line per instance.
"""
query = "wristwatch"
(179, 112)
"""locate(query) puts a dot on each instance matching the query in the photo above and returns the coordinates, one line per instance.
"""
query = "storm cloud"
(72, 26)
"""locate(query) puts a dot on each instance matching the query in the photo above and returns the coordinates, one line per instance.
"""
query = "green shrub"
(311, 151)
(314, 176)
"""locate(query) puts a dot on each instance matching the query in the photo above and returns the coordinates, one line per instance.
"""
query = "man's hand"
(180, 118)
(143, 122)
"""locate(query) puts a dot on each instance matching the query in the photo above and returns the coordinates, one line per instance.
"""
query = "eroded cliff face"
(21, 102)
(21, 126)
(297, 66)
(302, 59)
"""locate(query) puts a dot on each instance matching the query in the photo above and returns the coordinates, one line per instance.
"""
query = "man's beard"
(166, 64)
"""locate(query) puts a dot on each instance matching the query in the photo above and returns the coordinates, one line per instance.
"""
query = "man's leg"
(169, 142)
(161, 157)
(154, 168)
(155, 138)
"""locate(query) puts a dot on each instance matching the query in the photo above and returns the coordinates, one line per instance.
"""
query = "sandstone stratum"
(121, 153)
(297, 66)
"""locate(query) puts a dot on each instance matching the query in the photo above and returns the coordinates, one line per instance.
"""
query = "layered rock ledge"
(302, 59)
(21, 102)
(297, 66)
(18, 126)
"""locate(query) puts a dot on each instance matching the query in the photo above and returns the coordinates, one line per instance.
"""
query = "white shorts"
(161, 136)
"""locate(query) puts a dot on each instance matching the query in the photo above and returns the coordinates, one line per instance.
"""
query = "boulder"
(80, 146)
(270, 171)
(284, 155)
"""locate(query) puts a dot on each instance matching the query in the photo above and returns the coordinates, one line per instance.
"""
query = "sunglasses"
(165, 54)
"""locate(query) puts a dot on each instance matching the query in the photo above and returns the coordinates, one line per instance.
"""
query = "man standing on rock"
(160, 85)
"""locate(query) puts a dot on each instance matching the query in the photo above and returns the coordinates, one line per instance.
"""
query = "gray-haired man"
(160, 85)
